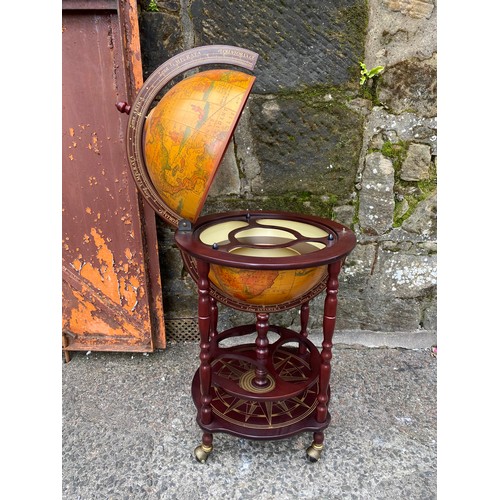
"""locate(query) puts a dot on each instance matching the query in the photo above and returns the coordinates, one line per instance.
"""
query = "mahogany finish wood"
(260, 355)
(254, 389)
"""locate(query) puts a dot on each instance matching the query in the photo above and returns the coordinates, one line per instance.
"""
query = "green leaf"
(375, 71)
(153, 7)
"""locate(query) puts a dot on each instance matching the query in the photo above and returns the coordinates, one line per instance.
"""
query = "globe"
(263, 287)
(186, 135)
(269, 238)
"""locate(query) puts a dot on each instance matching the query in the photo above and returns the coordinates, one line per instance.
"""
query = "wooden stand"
(261, 390)
(258, 389)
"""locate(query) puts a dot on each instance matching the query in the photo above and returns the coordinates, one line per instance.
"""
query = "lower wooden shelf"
(286, 406)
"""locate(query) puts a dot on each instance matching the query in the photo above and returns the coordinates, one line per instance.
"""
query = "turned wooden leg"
(304, 320)
(262, 351)
(214, 317)
(329, 316)
(204, 321)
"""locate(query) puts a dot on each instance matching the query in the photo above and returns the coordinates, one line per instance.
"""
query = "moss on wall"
(298, 202)
(408, 193)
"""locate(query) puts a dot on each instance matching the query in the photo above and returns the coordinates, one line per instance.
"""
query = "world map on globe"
(265, 287)
(187, 132)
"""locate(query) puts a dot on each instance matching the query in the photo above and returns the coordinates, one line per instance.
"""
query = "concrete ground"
(129, 432)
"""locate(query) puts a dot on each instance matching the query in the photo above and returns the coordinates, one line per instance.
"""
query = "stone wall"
(313, 140)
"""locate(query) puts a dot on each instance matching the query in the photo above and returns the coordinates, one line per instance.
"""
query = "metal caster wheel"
(314, 452)
(202, 452)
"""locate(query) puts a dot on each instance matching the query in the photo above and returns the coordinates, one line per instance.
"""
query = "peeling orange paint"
(107, 282)
(134, 281)
(71, 157)
(107, 312)
(85, 319)
(105, 276)
(77, 264)
(95, 142)
(129, 293)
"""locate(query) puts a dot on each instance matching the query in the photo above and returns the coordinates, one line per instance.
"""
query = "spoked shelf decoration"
(257, 261)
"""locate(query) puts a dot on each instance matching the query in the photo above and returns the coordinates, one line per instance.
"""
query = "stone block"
(376, 198)
(429, 320)
(227, 178)
(245, 153)
(306, 145)
(404, 275)
(410, 86)
(399, 30)
(344, 214)
(161, 38)
(357, 268)
(405, 127)
(417, 9)
(300, 44)
(377, 313)
(416, 164)
(423, 221)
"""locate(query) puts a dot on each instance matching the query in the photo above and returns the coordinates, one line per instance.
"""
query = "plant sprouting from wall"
(368, 81)
(152, 6)
(369, 74)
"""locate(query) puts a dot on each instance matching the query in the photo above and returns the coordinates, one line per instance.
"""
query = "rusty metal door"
(111, 280)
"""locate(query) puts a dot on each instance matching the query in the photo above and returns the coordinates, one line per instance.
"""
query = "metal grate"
(182, 330)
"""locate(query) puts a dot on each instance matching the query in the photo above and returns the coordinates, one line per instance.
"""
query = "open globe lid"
(175, 149)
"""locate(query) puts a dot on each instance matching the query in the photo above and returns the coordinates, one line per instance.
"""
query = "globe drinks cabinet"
(260, 261)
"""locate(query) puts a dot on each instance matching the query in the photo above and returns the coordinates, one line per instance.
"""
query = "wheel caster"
(314, 452)
(202, 452)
